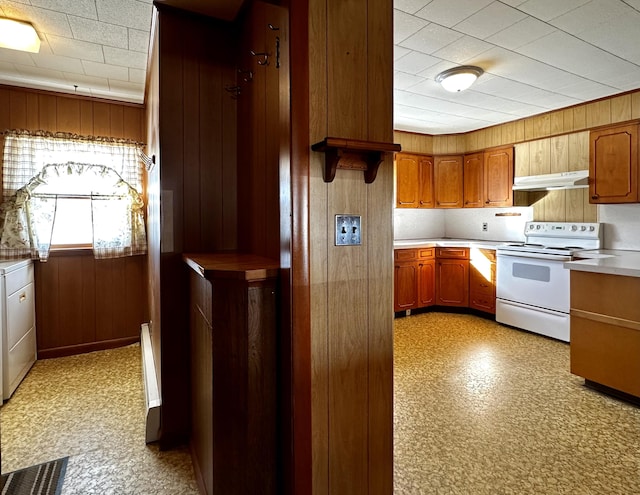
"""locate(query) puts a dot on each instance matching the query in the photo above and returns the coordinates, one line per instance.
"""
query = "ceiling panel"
(538, 55)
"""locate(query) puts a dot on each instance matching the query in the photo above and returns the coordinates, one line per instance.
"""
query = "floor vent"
(151, 392)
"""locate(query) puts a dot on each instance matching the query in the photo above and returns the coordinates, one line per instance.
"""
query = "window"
(62, 190)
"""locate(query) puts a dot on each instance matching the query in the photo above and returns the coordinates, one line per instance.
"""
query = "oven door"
(533, 279)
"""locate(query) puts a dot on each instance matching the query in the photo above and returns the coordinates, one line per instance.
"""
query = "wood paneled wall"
(40, 110)
(192, 205)
(79, 300)
(552, 142)
(84, 304)
(350, 96)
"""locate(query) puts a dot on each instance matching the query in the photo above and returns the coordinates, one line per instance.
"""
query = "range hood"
(549, 182)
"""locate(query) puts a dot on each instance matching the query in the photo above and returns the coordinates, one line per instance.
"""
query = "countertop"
(470, 243)
(609, 261)
(228, 265)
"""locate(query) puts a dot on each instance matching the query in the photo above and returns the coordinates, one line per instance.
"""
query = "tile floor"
(90, 407)
(479, 409)
(484, 409)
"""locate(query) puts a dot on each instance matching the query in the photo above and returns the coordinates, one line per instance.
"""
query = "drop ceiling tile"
(490, 20)
(124, 95)
(410, 6)
(431, 38)
(137, 75)
(549, 9)
(434, 70)
(125, 58)
(621, 36)
(415, 62)
(126, 86)
(6, 68)
(138, 40)
(405, 25)
(585, 90)
(98, 32)
(463, 49)
(130, 13)
(82, 8)
(590, 15)
(45, 21)
(87, 82)
(402, 80)
(564, 51)
(399, 52)
(105, 70)
(75, 48)
(57, 62)
(16, 57)
(521, 33)
(448, 14)
(40, 73)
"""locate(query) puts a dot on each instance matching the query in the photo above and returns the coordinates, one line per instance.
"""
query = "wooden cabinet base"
(606, 354)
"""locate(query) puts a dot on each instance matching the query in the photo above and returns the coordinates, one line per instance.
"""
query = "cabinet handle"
(595, 196)
(23, 296)
(486, 202)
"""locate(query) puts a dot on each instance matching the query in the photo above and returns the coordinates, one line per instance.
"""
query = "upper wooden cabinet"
(448, 180)
(498, 177)
(613, 165)
(473, 180)
(414, 179)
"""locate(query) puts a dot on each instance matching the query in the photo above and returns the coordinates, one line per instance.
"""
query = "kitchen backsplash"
(622, 226)
(461, 223)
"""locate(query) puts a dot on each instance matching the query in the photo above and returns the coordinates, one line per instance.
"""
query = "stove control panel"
(564, 229)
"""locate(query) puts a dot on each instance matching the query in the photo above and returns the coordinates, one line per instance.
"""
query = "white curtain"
(38, 168)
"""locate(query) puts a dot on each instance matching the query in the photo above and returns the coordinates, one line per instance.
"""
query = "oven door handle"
(539, 256)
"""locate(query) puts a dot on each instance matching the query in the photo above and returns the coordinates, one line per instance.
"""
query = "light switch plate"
(348, 231)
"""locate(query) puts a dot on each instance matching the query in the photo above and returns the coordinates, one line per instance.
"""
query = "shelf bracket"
(352, 154)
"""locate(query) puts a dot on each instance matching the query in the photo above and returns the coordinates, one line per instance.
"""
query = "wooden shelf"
(353, 154)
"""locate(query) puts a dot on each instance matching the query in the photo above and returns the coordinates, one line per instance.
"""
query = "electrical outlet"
(485, 226)
(348, 230)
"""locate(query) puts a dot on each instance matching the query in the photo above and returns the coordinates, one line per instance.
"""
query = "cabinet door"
(405, 284)
(452, 282)
(482, 290)
(407, 181)
(448, 181)
(426, 283)
(473, 172)
(426, 192)
(498, 177)
(613, 165)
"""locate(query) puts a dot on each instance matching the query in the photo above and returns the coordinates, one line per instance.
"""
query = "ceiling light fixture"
(18, 35)
(459, 78)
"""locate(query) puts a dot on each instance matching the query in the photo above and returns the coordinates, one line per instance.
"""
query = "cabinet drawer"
(20, 314)
(426, 253)
(17, 279)
(452, 252)
(19, 361)
(405, 254)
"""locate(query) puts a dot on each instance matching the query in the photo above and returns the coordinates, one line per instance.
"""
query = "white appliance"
(532, 285)
(18, 323)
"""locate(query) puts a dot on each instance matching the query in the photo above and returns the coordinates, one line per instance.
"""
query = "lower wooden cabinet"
(452, 282)
(482, 280)
(413, 278)
(605, 330)
(444, 276)
(233, 373)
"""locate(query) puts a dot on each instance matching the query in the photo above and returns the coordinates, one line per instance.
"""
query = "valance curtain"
(107, 171)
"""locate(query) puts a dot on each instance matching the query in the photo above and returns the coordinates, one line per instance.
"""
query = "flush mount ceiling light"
(18, 35)
(459, 78)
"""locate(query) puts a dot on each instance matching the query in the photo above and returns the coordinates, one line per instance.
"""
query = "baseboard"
(72, 350)
(151, 390)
